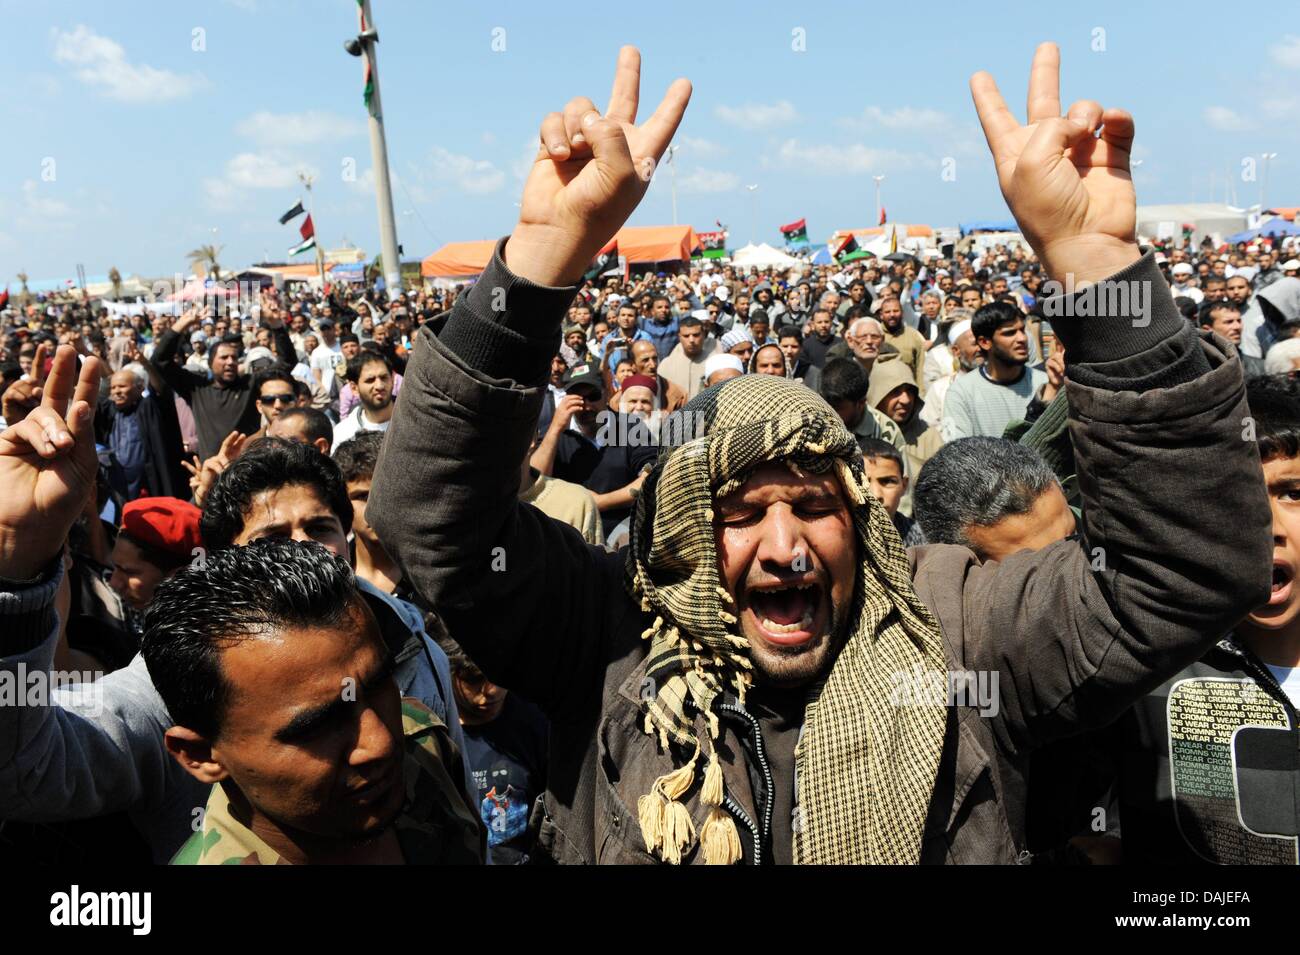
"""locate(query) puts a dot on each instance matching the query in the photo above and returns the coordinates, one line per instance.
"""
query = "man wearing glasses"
(275, 394)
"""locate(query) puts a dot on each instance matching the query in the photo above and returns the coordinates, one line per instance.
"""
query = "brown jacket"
(1177, 551)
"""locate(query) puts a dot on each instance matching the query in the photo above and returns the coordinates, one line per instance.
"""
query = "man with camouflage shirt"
(340, 769)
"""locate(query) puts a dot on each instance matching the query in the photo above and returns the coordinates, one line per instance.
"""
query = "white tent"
(1214, 219)
(764, 256)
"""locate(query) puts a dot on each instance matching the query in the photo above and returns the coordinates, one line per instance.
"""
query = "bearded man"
(755, 679)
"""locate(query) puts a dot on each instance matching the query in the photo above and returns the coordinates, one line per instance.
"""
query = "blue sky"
(128, 146)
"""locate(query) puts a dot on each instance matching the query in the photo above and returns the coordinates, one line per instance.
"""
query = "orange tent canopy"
(656, 243)
(459, 259)
(307, 271)
(1286, 212)
(913, 231)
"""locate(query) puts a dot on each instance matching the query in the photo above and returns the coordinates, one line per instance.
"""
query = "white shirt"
(323, 359)
(354, 424)
(1289, 679)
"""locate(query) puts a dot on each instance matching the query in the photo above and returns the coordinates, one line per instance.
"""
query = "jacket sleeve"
(1176, 542)
(164, 359)
(522, 593)
(285, 352)
(78, 751)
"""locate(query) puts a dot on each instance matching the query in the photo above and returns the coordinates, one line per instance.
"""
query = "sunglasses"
(285, 398)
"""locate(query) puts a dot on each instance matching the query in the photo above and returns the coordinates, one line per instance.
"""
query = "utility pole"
(1263, 184)
(672, 170)
(364, 45)
(753, 211)
(311, 214)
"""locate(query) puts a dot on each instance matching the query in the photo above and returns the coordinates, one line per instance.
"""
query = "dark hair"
(843, 380)
(976, 482)
(269, 464)
(753, 359)
(1274, 402)
(348, 337)
(1288, 329)
(163, 560)
(1209, 308)
(358, 362)
(877, 449)
(660, 297)
(357, 457)
(10, 372)
(690, 321)
(459, 660)
(230, 597)
(316, 423)
(989, 318)
(274, 373)
(789, 331)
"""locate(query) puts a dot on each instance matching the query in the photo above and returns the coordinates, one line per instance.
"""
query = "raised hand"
(589, 174)
(47, 467)
(1070, 190)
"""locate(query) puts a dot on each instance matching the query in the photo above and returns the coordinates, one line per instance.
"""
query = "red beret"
(640, 381)
(164, 523)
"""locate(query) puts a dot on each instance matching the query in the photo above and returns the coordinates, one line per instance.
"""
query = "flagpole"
(311, 214)
(878, 179)
(366, 40)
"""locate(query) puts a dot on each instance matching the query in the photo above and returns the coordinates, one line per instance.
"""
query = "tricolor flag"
(795, 232)
(712, 240)
(882, 215)
(308, 233)
(847, 246)
(293, 213)
(368, 93)
(605, 262)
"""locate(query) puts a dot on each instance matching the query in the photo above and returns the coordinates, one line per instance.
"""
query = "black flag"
(297, 210)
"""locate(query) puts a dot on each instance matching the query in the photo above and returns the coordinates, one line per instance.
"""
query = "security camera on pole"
(364, 45)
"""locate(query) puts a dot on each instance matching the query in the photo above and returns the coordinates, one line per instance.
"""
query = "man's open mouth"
(787, 612)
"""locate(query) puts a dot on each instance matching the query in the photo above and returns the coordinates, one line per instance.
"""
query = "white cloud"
(245, 171)
(697, 148)
(1281, 107)
(475, 176)
(263, 171)
(42, 207)
(1287, 53)
(758, 115)
(101, 63)
(854, 158)
(903, 118)
(296, 129)
(707, 180)
(1225, 119)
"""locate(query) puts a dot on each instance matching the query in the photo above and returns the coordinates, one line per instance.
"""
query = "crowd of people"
(875, 561)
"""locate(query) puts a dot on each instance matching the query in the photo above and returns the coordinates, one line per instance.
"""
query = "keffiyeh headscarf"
(857, 738)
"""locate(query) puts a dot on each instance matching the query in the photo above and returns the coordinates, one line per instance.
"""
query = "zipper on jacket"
(1264, 676)
(760, 753)
(735, 809)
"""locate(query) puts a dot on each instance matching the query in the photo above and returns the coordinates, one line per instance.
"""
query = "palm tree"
(25, 294)
(206, 256)
(115, 279)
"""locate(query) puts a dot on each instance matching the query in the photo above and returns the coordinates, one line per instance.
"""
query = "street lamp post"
(320, 258)
(672, 172)
(753, 211)
(364, 45)
(1263, 183)
(879, 180)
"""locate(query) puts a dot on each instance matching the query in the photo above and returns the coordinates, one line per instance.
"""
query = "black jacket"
(218, 410)
(164, 448)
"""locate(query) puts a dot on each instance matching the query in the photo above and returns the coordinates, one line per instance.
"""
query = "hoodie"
(1273, 305)
(922, 440)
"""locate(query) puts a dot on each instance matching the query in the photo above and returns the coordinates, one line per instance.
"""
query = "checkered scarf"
(865, 765)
